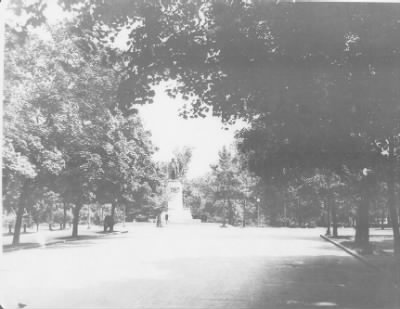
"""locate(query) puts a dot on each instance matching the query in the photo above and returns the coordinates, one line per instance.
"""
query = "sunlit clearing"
(325, 304)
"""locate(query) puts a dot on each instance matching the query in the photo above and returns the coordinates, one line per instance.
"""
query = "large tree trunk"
(273, 210)
(20, 213)
(113, 207)
(225, 211)
(334, 216)
(383, 217)
(328, 218)
(391, 201)
(231, 219)
(18, 222)
(299, 214)
(244, 214)
(65, 216)
(126, 214)
(362, 222)
(75, 223)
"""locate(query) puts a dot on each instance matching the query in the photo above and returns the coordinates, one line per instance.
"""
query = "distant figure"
(108, 223)
(159, 224)
(166, 218)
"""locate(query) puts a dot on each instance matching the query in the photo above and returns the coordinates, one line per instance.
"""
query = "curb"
(352, 253)
(55, 242)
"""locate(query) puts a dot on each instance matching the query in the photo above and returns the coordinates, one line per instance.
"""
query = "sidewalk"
(45, 237)
(381, 240)
(382, 256)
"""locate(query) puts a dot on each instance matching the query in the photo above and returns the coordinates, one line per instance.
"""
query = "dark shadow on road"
(72, 244)
(330, 281)
(292, 282)
(82, 237)
(97, 235)
(57, 241)
(301, 282)
(22, 233)
(340, 237)
(21, 245)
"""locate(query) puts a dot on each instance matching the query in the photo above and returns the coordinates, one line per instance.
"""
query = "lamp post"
(88, 216)
(123, 223)
(244, 212)
(224, 209)
(258, 211)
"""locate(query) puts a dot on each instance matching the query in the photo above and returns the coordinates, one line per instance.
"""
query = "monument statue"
(173, 170)
(176, 213)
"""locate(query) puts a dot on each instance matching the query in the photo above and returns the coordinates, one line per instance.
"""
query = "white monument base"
(183, 216)
(176, 212)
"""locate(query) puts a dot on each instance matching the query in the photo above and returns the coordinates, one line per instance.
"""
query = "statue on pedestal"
(173, 171)
(176, 213)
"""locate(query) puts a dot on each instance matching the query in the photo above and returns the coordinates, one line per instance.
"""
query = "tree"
(29, 156)
(231, 186)
(195, 196)
(46, 208)
(92, 145)
(46, 118)
(183, 157)
(130, 176)
(327, 186)
(227, 185)
(200, 196)
(38, 214)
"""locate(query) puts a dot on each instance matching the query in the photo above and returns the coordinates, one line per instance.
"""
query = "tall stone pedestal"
(176, 212)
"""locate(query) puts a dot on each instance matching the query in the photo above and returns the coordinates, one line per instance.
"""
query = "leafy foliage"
(64, 133)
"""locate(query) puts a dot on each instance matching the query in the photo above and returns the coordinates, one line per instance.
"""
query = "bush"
(27, 220)
(96, 219)
(58, 216)
(311, 224)
(8, 219)
(281, 221)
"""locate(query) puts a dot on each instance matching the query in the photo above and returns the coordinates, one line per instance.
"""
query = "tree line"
(66, 143)
(236, 193)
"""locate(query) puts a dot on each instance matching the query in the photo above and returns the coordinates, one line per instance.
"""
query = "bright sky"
(170, 131)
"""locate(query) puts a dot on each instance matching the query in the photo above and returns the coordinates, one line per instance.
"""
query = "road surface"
(200, 266)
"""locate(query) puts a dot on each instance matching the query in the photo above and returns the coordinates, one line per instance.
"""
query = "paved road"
(200, 266)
